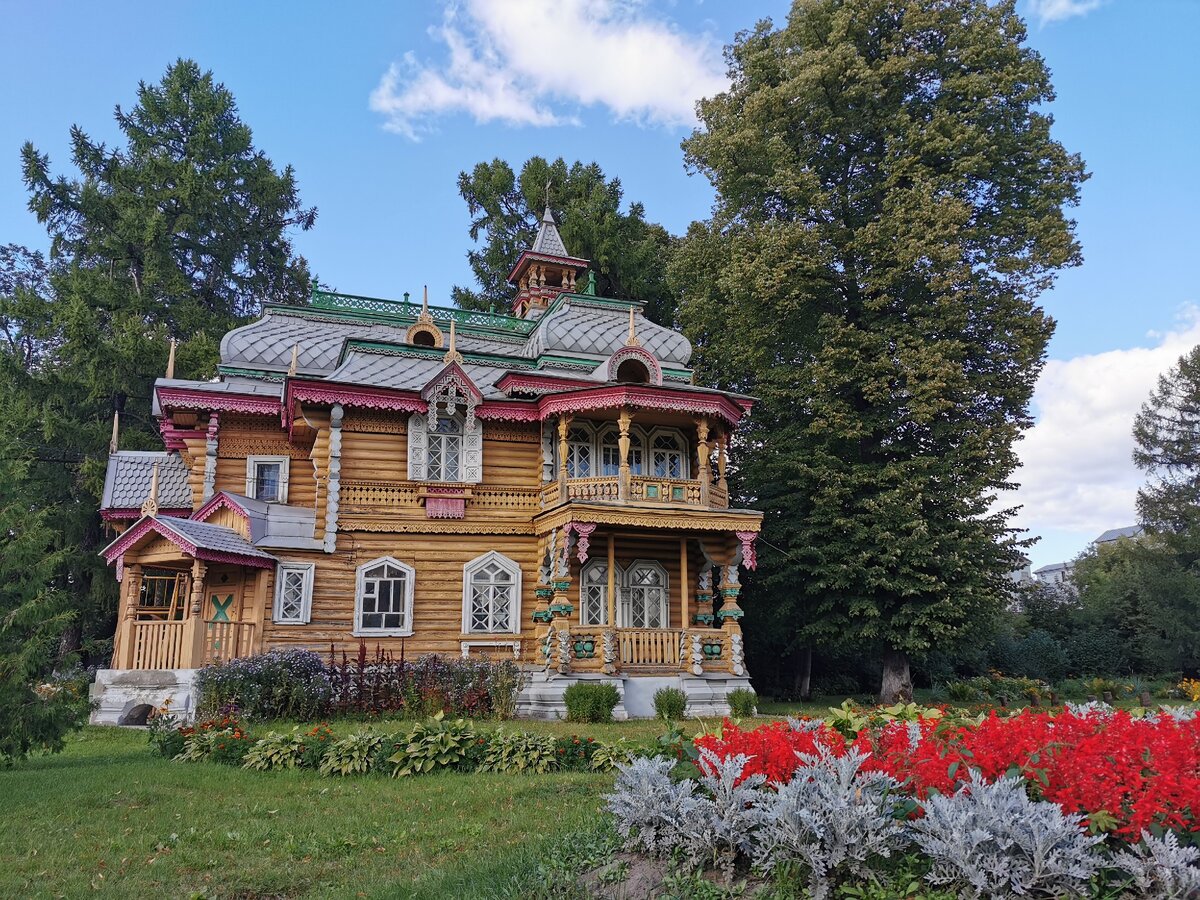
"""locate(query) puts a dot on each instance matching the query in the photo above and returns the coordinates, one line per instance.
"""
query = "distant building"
(1021, 576)
(1055, 573)
(1110, 537)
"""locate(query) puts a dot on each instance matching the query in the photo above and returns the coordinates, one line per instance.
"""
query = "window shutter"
(418, 440)
(472, 460)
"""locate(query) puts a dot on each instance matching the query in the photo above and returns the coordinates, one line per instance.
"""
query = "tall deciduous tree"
(890, 203)
(180, 231)
(626, 251)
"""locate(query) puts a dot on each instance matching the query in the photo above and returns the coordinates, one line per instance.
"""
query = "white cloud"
(533, 62)
(1077, 474)
(1057, 10)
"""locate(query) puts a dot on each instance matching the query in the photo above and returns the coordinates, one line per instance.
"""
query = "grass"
(107, 818)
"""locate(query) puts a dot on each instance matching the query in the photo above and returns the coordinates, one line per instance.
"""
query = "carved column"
(729, 616)
(564, 427)
(561, 606)
(702, 459)
(210, 458)
(193, 633)
(334, 489)
(624, 420)
(545, 587)
(123, 648)
(722, 461)
(704, 596)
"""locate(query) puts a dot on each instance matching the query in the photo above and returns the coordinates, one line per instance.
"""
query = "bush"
(353, 755)
(670, 703)
(519, 753)
(591, 701)
(436, 744)
(1038, 655)
(276, 751)
(606, 757)
(278, 684)
(742, 703)
(575, 753)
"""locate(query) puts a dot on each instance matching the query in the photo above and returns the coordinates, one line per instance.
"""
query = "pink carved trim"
(642, 355)
(525, 382)
(644, 397)
(175, 438)
(749, 556)
(219, 500)
(508, 411)
(584, 530)
(445, 508)
(190, 398)
(573, 262)
(351, 395)
(452, 371)
(117, 514)
(120, 569)
(121, 545)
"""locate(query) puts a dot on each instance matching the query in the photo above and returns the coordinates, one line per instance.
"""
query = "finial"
(112, 444)
(150, 505)
(632, 340)
(295, 361)
(452, 355)
(171, 359)
(425, 317)
(549, 181)
(590, 290)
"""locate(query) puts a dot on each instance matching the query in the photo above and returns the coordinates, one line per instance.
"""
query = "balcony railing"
(642, 489)
(377, 497)
(655, 648)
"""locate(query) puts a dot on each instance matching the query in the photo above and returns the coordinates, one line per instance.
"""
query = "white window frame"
(252, 464)
(590, 444)
(681, 447)
(626, 598)
(513, 569)
(360, 585)
(637, 448)
(585, 582)
(308, 571)
(434, 436)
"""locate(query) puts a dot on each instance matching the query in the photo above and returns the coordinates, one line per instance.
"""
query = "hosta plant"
(435, 744)
(608, 756)
(351, 755)
(276, 751)
(519, 753)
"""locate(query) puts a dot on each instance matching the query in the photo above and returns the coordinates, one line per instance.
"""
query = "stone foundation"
(707, 695)
(125, 697)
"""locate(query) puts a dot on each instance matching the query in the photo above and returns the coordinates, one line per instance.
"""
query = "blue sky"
(379, 106)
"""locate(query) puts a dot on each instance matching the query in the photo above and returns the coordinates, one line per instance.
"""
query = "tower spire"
(452, 355)
(171, 359)
(632, 340)
(112, 444)
(295, 361)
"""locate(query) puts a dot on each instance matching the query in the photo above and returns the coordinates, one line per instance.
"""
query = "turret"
(544, 271)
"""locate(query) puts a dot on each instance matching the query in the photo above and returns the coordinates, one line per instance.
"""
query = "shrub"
(649, 808)
(436, 744)
(669, 703)
(276, 751)
(519, 753)
(726, 822)
(164, 730)
(834, 819)
(742, 703)
(352, 755)
(591, 701)
(231, 748)
(575, 753)
(200, 741)
(278, 684)
(316, 741)
(991, 838)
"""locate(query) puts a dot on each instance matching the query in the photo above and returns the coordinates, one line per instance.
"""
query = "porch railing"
(159, 645)
(650, 647)
(642, 488)
(224, 641)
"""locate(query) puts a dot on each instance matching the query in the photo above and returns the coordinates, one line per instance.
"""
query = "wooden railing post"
(624, 420)
(123, 649)
(704, 464)
(193, 653)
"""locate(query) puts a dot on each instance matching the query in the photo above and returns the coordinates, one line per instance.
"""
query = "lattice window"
(383, 599)
(644, 600)
(444, 451)
(610, 453)
(669, 456)
(267, 478)
(293, 593)
(593, 595)
(491, 595)
(579, 453)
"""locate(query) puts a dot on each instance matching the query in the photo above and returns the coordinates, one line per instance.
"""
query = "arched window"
(383, 598)
(633, 371)
(669, 455)
(610, 452)
(644, 600)
(593, 593)
(579, 453)
(491, 595)
(443, 454)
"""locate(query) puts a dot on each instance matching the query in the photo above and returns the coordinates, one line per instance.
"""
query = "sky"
(378, 107)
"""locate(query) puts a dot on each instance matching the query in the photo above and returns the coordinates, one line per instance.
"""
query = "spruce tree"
(1166, 435)
(890, 203)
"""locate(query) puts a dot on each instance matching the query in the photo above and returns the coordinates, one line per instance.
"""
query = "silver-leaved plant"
(1158, 868)
(725, 823)
(991, 840)
(832, 818)
(649, 807)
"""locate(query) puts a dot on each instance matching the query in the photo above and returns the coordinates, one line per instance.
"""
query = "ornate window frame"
(681, 447)
(360, 580)
(252, 464)
(627, 587)
(307, 572)
(637, 445)
(509, 565)
(586, 582)
(589, 444)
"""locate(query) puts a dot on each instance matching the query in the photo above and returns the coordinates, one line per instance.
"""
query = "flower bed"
(1123, 774)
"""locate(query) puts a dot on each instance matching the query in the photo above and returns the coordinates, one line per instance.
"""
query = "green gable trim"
(260, 374)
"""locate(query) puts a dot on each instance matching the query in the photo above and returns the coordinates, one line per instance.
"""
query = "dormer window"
(633, 371)
(267, 478)
(443, 461)
(423, 339)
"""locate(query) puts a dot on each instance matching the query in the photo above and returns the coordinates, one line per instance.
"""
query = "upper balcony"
(641, 489)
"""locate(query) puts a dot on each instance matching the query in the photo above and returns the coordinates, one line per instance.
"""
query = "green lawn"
(106, 817)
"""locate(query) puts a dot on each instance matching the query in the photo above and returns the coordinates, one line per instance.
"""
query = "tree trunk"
(897, 680)
(806, 675)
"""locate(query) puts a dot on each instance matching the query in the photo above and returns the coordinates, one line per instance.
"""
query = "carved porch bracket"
(747, 539)
(584, 532)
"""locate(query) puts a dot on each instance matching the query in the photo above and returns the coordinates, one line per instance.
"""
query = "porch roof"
(199, 540)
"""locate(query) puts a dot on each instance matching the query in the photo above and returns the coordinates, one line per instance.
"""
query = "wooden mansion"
(547, 486)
